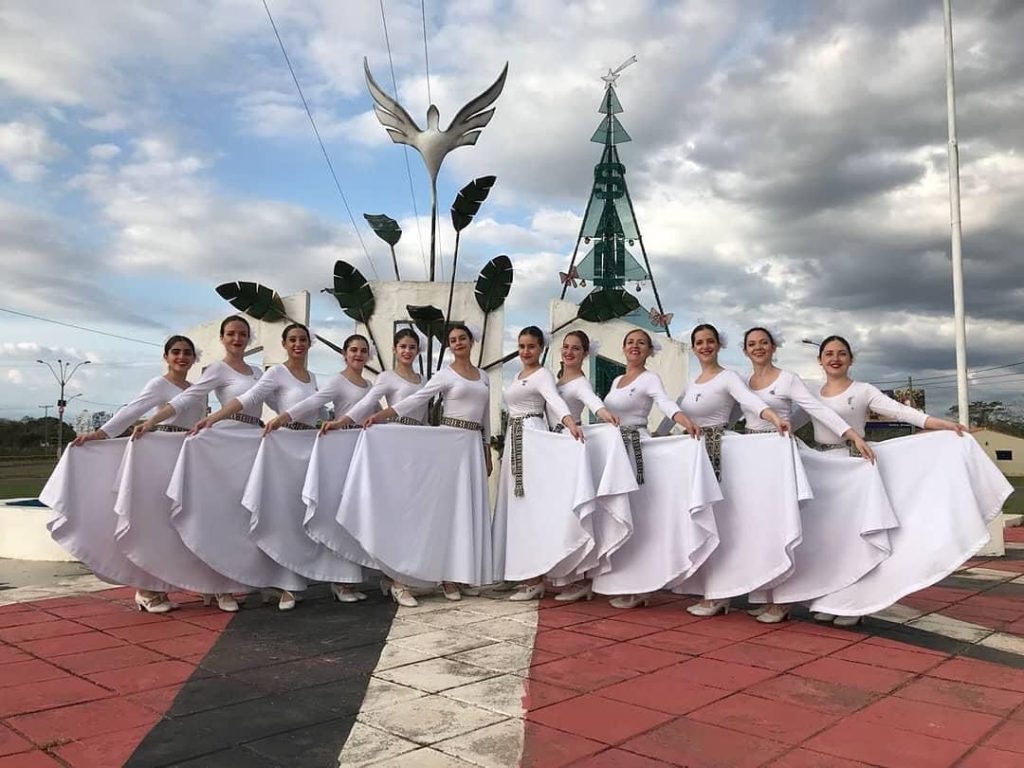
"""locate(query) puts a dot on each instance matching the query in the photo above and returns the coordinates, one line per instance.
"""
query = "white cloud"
(104, 151)
(27, 150)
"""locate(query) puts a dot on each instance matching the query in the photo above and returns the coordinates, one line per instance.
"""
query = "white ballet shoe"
(286, 601)
(451, 591)
(630, 601)
(226, 602)
(708, 608)
(470, 591)
(755, 612)
(774, 614)
(385, 586)
(528, 592)
(825, 618)
(345, 593)
(157, 603)
(846, 621)
(575, 592)
(401, 595)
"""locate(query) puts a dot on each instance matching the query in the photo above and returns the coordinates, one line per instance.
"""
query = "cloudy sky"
(788, 166)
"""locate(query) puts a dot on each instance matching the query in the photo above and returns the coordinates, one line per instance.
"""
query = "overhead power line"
(79, 327)
(950, 376)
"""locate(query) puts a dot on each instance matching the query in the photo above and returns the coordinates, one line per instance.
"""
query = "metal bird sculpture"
(434, 144)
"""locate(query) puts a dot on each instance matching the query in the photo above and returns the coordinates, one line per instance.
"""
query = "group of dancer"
(223, 505)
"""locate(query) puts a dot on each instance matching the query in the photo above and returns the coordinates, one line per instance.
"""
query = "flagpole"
(956, 243)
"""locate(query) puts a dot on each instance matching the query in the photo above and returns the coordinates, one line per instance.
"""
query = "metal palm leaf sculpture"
(432, 143)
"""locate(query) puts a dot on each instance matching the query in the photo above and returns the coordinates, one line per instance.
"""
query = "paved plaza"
(86, 681)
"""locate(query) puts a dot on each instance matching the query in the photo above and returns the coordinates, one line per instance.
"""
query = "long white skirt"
(540, 533)
(321, 492)
(945, 491)
(144, 531)
(80, 492)
(763, 483)
(845, 527)
(674, 528)
(416, 502)
(206, 493)
(273, 496)
(607, 518)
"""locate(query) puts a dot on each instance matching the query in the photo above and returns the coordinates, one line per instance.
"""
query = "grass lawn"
(19, 477)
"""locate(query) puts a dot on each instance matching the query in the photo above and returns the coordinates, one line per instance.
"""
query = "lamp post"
(62, 375)
(46, 426)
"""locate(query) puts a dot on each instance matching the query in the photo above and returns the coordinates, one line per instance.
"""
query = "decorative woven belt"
(409, 421)
(849, 446)
(451, 421)
(515, 433)
(762, 431)
(713, 445)
(246, 419)
(169, 428)
(631, 439)
(298, 425)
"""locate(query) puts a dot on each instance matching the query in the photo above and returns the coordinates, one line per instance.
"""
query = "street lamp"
(62, 376)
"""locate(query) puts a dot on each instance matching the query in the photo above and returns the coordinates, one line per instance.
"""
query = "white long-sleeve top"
(158, 391)
(225, 382)
(577, 394)
(853, 405)
(280, 385)
(633, 402)
(392, 388)
(536, 393)
(464, 398)
(711, 404)
(338, 390)
(783, 396)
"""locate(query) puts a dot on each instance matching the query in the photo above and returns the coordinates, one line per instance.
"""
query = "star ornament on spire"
(613, 74)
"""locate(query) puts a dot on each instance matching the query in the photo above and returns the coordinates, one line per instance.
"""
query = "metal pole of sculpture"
(433, 144)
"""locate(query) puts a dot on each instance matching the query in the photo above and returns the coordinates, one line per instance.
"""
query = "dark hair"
(457, 327)
(175, 339)
(355, 337)
(582, 336)
(405, 333)
(234, 319)
(829, 339)
(650, 341)
(291, 327)
(704, 327)
(749, 331)
(532, 330)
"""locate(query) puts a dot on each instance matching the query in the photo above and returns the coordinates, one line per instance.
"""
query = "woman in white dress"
(943, 490)
(447, 529)
(331, 560)
(213, 469)
(673, 525)
(544, 480)
(758, 518)
(81, 489)
(609, 522)
(844, 528)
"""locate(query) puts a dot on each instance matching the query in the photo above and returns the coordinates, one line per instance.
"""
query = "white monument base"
(23, 534)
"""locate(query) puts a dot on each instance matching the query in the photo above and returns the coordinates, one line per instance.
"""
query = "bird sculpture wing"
(469, 121)
(392, 115)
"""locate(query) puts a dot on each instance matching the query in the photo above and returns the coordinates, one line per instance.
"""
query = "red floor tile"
(995, 602)
(33, 697)
(946, 594)
(157, 699)
(804, 758)
(980, 673)
(822, 629)
(973, 698)
(134, 679)
(813, 694)
(55, 647)
(678, 641)
(885, 642)
(805, 642)
(688, 743)
(9, 654)
(11, 743)
(664, 690)
(556, 618)
(106, 659)
(890, 658)
(924, 604)
(10, 608)
(579, 675)
(669, 617)
(161, 631)
(598, 718)
(24, 618)
(1009, 737)
(881, 745)
(35, 759)
(631, 656)
(1008, 566)
(611, 629)
(733, 627)
(617, 758)
(125, 617)
(833, 670)
(779, 659)
(986, 757)
(216, 621)
(545, 747)
(995, 618)
(599, 609)
(49, 603)
(83, 720)
(761, 717)
(31, 671)
(929, 719)
(90, 608)
(1016, 628)
(198, 644)
(40, 630)
(104, 751)
(720, 674)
